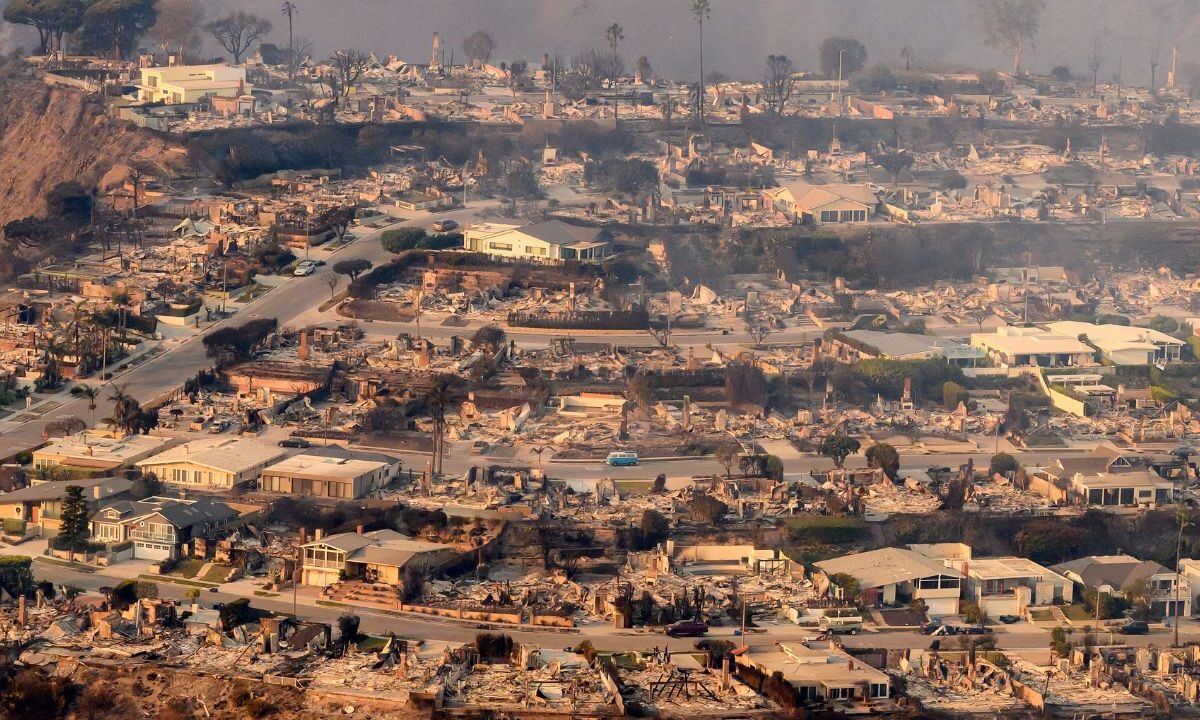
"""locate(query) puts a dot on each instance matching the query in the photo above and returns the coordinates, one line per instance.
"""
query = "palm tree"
(90, 393)
(121, 299)
(615, 34)
(127, 412)
(289, 10)
(103, 327)
(701, 10)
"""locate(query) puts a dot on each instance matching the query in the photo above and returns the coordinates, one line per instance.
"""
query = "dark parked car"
(937, 628)
(687, 628)
(295, 443)
(1136, 627)
(1009, 619)
(973, 630)
(444, 226)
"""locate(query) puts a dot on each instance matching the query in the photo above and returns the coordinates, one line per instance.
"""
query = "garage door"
(941, 606)
(151, 551)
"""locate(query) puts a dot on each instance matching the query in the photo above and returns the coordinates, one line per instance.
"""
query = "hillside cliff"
(50, 135)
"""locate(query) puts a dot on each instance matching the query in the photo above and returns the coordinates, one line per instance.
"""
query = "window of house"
(860, 216)
(499, 246)
(879, 690)
(843, 693)
(1126, 496)
(533, 250)
(105, 531)
(846, 216)
(829, 216)
(1095, 497)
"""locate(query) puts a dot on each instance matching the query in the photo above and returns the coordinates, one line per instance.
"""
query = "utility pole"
(1183, 522)
(224, 290)
(296, 575)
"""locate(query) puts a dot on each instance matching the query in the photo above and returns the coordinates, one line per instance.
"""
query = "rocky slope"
(50, 135)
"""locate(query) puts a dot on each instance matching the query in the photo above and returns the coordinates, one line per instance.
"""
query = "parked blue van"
(621, 458)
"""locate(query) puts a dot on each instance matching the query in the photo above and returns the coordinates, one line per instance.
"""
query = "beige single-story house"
(91, 454)
(804, 202)
(217, 463)
(548, 241)
(345, 474)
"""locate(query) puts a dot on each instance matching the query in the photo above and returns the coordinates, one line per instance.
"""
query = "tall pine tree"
(73, 531)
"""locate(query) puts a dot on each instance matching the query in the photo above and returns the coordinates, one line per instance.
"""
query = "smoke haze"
(740, 33)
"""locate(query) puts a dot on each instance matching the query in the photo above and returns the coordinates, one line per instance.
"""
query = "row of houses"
(1054, 345)
(942, 576)
(161, 528)
(224, 463)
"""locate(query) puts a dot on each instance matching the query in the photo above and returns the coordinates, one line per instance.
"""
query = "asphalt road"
(1016, 637)
(166, 371)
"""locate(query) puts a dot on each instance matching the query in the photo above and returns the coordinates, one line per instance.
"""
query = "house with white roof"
(182, 84)
(896, 576)
(345, 475)
(1014, 346)
(855, 345)
(804, 202)
(89, 453)
(548, 241)
(1123, 344)
(826, 675)
(1007, 585)
(216, 463)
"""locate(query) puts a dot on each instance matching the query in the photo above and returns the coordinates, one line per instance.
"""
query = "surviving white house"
(218, 463)
(1013, 346)
(548, 241)
(892, 576)
(1123, 344)
(180, 84)
(804, 202)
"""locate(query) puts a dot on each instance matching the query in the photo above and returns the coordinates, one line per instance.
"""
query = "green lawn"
(187, 568)
(57, 561)
(1041, 615)
(825, 529)
(264, 593)
(175, 580)
(216, 574)
(634, 487)
(1078, 613)
(371, 644)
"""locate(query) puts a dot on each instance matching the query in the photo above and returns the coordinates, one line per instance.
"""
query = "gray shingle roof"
(557, 232)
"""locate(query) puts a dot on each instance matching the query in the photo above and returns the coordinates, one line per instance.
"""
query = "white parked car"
(305, 268)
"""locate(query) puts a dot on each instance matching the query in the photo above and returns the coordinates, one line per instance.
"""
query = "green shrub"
(1003, 463)
(16, 575)
(1162, 395)
(826, 529)
(401, 239)
(953, 394)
